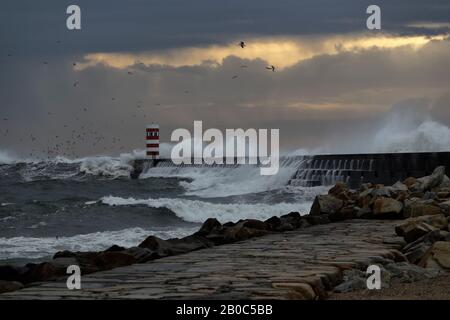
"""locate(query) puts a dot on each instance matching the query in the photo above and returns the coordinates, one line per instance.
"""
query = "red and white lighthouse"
(152, 140)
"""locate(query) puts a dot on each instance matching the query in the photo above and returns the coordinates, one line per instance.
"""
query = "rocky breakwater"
(422, 207)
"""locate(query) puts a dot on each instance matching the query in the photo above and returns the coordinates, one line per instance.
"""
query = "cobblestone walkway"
(302, 264)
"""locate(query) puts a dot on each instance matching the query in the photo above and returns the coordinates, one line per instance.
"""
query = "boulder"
(12, 273)
(428, 182)
(115, 248)
(387, 207)
(409, 182)
(8, 286)
(347, 212)
(437, 257)
(326, 204)
(208, 226)
(338, 188)
(437, 221)
(274, 223)
(445, 207)
(414, 228)
(294, 219)
(159, 246)
(415, 250)
(256, 224)
(416, 207)
(239, 233)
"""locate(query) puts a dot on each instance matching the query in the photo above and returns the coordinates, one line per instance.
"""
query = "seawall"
(314, 170)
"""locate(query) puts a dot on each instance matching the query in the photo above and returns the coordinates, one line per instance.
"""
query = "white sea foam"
(428, 136)
(199, 211)
(32, 248)
(222, 181)
(6, 157)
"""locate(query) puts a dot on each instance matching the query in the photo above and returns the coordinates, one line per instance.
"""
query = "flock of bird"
(85, 132)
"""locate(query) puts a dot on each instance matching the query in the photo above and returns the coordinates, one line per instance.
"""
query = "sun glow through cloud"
(282, 52)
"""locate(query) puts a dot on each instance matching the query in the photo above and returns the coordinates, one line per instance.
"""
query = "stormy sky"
(337, 85)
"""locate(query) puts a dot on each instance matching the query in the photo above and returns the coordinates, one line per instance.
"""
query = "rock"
(8, 286)
(41, 272)
(409, 182)
(347, 212)
(338, 189)
(445, 207)
(363, 213)
(404, 272)
(398, 187)
(437, 221)
(445, 183)
(141, 255)
(274, 223)
(256, 224)
(12, 273)
(208, 226)
(239, 233)
(415, 231)
(415, 250)
(417, 207)
(381, 191)
(387, 207)
(115, 248)
(161, 248)
(294, 219)
(428, 182)
(188, 244)
(416, 253)
(353, 279)
(437, 257)
(326, 204)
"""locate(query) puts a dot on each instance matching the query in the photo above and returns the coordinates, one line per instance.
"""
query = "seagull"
(234, 77)
(242, 44)
(271, 68)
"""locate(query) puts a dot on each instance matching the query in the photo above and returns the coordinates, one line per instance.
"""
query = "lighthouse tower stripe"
(152, 141)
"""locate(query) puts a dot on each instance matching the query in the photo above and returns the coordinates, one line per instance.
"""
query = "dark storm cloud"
(30, 27)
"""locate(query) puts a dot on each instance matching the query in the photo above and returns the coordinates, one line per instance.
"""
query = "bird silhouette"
(234, 77)
(271, 68)
(242, 44)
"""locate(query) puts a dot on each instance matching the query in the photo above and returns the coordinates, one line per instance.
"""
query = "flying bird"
(75, 83)
(271, 68)
(234, 77)
(244, 66)
(129, 72)
(242, 44)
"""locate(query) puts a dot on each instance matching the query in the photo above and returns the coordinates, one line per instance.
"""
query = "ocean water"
(91, 203)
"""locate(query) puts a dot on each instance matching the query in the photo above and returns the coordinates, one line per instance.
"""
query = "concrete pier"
(300, 264)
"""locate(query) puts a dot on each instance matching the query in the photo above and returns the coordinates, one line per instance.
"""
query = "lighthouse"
(152, 140)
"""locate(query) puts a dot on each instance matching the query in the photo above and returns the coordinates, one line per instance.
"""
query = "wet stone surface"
(302, 264)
